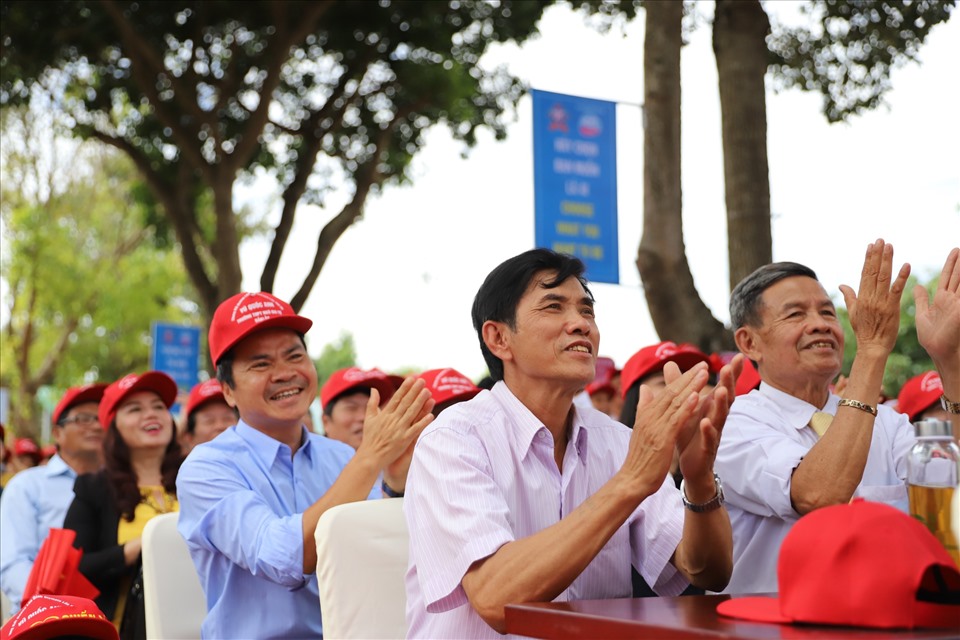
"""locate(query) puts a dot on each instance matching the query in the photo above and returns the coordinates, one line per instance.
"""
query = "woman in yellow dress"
(110, 508)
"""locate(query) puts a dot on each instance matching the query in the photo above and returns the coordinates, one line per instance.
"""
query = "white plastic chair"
(173, 598)
(361, 562)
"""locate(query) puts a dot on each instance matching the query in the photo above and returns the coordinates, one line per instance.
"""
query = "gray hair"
(747, 296)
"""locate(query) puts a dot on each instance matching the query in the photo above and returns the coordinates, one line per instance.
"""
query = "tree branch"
(365, 177)
(306, 161)
(185, 225)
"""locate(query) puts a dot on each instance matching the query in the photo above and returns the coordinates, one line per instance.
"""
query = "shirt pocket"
(894, 495)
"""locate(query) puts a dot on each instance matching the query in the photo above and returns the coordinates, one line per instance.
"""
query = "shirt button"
(541, 435)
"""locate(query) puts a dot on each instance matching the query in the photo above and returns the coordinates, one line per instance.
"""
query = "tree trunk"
(739, 42)
(677, 311)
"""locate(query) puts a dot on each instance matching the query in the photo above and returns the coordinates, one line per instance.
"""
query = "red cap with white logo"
(240, 315)
(448, 384)
(344, 380)
(651, 359)
(919, 393)
(156, 381)
(203, 393)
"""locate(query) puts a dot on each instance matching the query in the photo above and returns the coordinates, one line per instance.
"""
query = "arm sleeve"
(756, 464)
(227, 517)
(19, 538)
(455, 512)
(656, 529)
(102, 563)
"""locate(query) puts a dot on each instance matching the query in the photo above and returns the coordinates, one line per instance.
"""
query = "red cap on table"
(863, 564)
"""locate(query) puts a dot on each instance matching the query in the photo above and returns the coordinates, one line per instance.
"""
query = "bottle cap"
(933, 428)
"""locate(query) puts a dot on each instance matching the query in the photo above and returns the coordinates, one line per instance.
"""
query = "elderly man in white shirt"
(778, 459)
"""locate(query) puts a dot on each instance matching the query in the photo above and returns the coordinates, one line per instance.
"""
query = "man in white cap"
(250, 499)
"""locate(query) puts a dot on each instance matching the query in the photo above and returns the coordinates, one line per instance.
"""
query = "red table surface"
(679, 618)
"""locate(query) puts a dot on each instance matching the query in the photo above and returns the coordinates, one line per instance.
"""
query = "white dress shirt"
(483, 474)
(765, 438)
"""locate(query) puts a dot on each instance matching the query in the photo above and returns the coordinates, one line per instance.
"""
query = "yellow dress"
(154, 501)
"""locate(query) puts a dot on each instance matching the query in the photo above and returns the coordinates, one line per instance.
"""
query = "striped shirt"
(483, 474)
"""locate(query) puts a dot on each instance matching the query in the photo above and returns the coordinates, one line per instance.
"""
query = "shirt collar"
(57, 466)
(526, 425)
(795, 411)
(268, 448)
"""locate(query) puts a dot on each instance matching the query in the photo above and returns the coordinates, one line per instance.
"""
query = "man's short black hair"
(225, 365)
(747, 295)
(500, 293)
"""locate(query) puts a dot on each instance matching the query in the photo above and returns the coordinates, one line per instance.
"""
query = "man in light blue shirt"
(250, 499)
(37, 499)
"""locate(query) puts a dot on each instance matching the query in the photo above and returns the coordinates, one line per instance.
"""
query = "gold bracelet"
(948, 405)
(856, 404)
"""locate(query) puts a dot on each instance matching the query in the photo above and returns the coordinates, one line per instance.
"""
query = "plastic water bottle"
(933, 474)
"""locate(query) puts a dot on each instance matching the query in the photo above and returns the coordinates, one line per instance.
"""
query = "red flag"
(56, 569)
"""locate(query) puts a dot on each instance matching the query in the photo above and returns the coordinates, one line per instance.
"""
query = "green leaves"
(850, 48)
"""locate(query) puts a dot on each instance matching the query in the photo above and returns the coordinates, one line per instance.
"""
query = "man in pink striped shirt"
(519, 496)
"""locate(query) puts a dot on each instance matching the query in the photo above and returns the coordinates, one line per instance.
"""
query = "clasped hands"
(681, 417)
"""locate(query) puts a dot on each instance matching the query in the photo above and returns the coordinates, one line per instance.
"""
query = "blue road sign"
(575, 180)
(176, 352)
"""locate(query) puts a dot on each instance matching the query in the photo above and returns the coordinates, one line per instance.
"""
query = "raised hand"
(875, 309)
(660, 420)
(389, 433)
(698, 445)
(938, 320)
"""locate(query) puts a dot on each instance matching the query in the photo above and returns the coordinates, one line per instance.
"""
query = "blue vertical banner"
(575, 180)
(176, 352)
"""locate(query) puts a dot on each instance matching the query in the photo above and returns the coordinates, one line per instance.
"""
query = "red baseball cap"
(919, 393)
(26, 447)
(355, 378)
(77, 395)
(651, 359)
(156, 381)
(446, 385)
(48, 616)
(203, 393)
(836, 568)
(242, 314)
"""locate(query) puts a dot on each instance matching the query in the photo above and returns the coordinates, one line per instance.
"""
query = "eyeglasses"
(84, 419)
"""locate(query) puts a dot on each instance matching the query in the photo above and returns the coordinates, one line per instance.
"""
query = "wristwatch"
(948, 406)
(713, 503)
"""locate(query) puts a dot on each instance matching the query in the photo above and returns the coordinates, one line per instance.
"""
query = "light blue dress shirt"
(242, 499)
(34, 500)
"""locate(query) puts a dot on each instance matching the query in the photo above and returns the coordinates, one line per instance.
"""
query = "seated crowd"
(564, 478)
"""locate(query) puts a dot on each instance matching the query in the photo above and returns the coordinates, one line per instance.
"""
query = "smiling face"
(79, 432)
(799, 343)
(274, 380)
(144, 421)
(211, 419)
(345, 422)
(554, 340)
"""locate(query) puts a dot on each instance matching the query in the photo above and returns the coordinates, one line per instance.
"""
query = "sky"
(402, 279)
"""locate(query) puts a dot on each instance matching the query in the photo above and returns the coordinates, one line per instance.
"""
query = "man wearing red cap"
(919, 399)
(250, 499)
(791, 446)
(518, 495)
(37, 499)
(448, 387)
(345, 396)
(207, 414)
